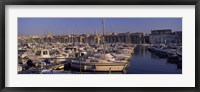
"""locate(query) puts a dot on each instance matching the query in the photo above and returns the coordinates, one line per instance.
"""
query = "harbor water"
(145, 62)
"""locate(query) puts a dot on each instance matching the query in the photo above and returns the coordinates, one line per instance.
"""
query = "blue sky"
(57, 26)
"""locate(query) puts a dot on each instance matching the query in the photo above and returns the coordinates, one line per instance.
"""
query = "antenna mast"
(103, 25)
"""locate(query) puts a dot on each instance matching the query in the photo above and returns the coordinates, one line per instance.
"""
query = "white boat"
(100, 62)
(96, 66)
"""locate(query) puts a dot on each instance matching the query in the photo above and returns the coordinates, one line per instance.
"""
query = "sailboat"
(100, 61)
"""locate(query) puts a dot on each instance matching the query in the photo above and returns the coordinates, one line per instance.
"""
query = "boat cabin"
(43, 53)
(74, 49)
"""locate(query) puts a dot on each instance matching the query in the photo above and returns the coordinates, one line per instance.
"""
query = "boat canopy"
(47, 61)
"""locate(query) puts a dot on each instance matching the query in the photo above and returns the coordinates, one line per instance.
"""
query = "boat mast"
(70, 37)
(103, 35)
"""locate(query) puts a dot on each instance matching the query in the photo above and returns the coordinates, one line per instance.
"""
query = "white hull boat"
(96, 66)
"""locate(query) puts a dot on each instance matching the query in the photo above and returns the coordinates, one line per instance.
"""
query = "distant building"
(146, 38)
(178, 37)
(165, 36)
(128, 38)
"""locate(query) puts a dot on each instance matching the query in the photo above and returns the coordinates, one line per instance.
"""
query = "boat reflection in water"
(145, 62)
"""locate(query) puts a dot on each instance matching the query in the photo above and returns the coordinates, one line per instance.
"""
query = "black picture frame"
(3, 3)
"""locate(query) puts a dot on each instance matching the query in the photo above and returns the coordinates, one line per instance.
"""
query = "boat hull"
(99, 66)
